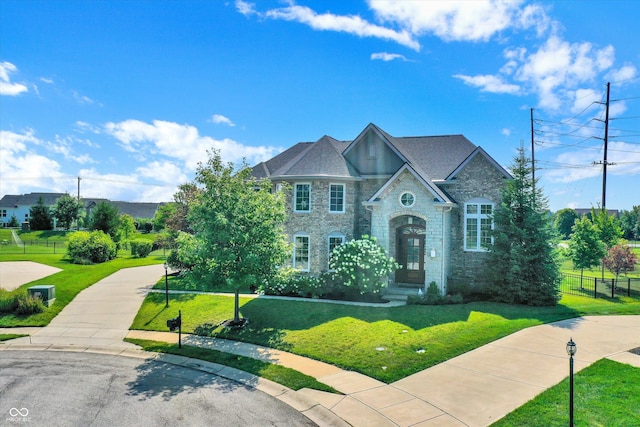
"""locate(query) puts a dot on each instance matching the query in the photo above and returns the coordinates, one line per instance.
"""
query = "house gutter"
(448, 209)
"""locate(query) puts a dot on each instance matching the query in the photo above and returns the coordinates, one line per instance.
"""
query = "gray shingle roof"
(433, 157)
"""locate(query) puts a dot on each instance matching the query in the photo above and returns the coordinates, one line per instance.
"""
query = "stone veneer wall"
(319, 223)
(424, 208)
(479, 179)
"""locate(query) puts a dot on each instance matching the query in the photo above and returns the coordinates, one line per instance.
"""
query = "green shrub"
(95, 247)
(8, 302)
(291, 282)
(28, 304)
(140, 248)
(362, 265)
(433, 297)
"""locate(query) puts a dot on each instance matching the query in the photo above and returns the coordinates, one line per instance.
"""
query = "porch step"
(397, 293)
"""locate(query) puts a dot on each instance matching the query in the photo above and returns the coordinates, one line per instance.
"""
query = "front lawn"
(384, 343)
(606, 393)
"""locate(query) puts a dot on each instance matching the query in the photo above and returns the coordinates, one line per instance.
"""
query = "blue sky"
(130, 95)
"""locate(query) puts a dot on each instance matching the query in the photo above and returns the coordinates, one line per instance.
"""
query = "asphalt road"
(84, 389)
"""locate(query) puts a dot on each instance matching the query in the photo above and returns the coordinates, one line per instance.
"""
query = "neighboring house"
(428, 200)
(19, 205)
(587, 212)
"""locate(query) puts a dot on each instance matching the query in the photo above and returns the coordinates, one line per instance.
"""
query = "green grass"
(6, 337)
(286, 376)
(69, 282)
(350, 336)
(606, 394)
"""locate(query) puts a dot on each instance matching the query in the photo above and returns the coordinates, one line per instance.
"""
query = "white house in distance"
(20, 205)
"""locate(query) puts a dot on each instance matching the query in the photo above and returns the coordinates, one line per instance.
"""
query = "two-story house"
(428, 200)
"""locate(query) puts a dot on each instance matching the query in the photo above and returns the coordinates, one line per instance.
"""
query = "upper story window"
(478, 223)
(336, 198)
(407, 199)
(301, 252)
(302, 198)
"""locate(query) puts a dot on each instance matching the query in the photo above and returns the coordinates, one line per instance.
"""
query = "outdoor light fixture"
(571, 351)
(433, 253)
(166, 284)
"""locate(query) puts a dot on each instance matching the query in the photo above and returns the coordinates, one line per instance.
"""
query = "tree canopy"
(565, 218)
(105, 217)
(66, 210)
(585, 248)
(237, 223)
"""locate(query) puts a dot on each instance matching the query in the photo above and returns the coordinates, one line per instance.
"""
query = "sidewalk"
(474, 389)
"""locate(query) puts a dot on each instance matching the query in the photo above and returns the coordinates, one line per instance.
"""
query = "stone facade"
(478, 180)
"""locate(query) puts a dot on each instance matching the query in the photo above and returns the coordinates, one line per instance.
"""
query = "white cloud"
(163, 171)
(506, 132)
(82, 99)
(182, 142)
(245, 8)
(46, 80)
(384, 56)
(21, 166)
(624, 73)
(220, 119)
(351, 24)
(458, 20)
(6, 87)
(489, 83)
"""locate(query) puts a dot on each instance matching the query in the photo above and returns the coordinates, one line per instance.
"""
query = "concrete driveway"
(14, 274)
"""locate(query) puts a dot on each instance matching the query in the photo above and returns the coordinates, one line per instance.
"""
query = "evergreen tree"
(522, 262)
(40, 216)
(66, 210)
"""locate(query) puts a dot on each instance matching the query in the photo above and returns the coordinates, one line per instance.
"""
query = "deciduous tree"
(585, 247)
(237, 222)
(66, 210)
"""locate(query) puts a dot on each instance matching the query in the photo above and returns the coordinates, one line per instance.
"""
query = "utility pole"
(78, 214)
(533, 161)
(604, 162)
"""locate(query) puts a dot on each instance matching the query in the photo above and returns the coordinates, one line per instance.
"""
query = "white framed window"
(333, 241)
(302, 197)
(301, 251)
(407, 199)
(336, 198)
(478, 223)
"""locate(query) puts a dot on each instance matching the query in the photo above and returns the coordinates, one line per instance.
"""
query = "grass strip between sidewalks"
(606, 394)
(285, 376)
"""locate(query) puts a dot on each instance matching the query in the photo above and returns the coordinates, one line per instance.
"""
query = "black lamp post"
(166, 284)
(571, 351)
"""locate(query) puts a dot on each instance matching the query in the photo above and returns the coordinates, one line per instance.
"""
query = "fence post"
(595, 287)
(613, 288)
(628, 286)
(54, 248)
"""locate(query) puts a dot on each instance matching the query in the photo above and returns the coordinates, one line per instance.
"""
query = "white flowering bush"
(291, 282)
(362, 265)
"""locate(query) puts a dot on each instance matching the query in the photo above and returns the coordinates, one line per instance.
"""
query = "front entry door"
(410, 255)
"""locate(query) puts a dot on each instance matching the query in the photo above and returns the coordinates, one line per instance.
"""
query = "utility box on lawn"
(47, 293)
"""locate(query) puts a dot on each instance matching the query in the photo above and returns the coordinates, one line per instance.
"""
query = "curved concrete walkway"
(474, 389)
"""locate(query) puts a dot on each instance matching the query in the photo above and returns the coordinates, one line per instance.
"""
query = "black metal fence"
(595, 287)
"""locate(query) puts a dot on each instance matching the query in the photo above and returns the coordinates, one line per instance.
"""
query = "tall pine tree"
(522, 262)
(40, 216)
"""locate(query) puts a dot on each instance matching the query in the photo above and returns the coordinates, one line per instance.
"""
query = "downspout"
(442, 249)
